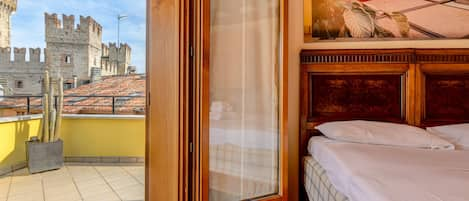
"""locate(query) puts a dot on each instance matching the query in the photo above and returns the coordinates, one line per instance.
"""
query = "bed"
(420, 87)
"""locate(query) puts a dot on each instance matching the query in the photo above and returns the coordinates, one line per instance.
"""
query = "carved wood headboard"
(354, 84)
(442, 86)
(422, 87)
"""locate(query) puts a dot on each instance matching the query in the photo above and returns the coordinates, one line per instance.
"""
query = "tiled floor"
(76, 183)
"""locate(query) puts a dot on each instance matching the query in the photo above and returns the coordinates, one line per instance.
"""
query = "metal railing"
(22, 105)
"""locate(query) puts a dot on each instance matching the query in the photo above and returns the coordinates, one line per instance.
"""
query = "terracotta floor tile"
(75, 183)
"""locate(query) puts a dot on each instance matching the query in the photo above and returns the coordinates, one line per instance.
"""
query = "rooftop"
(112, 86)
(113, 94)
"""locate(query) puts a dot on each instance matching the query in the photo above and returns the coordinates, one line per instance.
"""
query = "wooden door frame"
(167, 58)
(202, 63)
(167, 90)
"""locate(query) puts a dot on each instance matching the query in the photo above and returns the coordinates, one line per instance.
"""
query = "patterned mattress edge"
(317, 184)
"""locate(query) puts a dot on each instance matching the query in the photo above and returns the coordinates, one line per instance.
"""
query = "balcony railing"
(23, 105)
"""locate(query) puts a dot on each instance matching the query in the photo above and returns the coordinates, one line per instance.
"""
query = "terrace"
(103, 131)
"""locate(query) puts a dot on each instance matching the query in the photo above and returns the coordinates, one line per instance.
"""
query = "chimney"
(2, 93)
(75, 82)
(131, 70)
(95, 74)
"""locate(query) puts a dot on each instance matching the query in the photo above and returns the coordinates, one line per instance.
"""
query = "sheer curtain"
(244, 129)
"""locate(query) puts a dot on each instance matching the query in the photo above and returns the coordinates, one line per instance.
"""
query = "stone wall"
(22, 76)
(72, 50)
(7, 7)
(120, 57)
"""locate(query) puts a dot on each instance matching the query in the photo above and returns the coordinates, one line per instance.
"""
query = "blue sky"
(28, 22)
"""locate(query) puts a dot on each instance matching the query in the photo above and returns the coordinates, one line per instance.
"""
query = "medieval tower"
(74, 51)
(7, 7)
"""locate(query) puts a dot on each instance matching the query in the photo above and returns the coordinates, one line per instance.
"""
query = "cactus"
(60, 104)
(51, 112)
(51, 116)
(46, 106)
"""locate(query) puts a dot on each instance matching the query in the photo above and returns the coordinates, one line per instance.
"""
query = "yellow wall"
(104, 137)
(81, 136)
(12, 140)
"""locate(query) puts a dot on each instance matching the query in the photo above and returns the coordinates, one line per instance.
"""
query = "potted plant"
(45, 152)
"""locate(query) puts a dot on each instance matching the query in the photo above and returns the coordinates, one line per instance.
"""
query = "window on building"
(19, 84)
(68, 59)
(68, 86)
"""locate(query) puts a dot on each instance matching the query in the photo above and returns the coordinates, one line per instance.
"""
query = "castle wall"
(88, 31)
(120, 57)
(73, 50)
(68, 60)
(27, 71)
(94, 58)
(106, 67)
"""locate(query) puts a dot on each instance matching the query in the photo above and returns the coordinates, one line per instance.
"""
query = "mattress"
(363, 172)
(317, 184)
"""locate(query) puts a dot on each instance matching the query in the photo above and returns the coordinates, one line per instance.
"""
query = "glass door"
(243, 103)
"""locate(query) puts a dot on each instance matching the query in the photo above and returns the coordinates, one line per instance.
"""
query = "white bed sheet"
(365, 172)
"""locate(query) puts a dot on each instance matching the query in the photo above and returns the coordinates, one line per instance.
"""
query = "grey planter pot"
(44, 156)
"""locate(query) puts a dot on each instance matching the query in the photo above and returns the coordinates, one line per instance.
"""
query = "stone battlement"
(113, 46)
(68, 23)
(9, 5)
(19, 55)
(65, 30)
(109, 50)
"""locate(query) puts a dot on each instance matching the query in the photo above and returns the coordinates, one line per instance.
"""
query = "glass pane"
(244, 109)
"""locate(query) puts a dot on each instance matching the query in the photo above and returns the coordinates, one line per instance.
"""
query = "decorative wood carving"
(344, 97)
(356, 56)
(443, 86)
(448, 56)
(442, 58)
(447, 97)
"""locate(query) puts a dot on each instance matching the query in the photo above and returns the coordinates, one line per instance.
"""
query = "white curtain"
(244, 70)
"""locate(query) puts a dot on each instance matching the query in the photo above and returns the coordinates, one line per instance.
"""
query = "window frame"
(67, 59)
(19, 84)
(178, 35)
(202, 57)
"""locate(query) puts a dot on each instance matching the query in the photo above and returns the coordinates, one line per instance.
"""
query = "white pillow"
(381, 133)
(458, 134)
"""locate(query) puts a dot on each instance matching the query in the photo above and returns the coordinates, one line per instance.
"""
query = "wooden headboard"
(422, 87)
(442, 86)
(354, 84)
